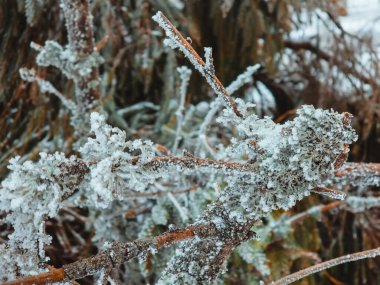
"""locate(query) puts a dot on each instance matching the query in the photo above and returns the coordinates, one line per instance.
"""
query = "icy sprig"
(242, 79)
(114, 166)
(184, 74)
(67, 60)
(46, 86)
(78, 61)
(32, 193)
(361, 175)
(175, 40)
(361, 204)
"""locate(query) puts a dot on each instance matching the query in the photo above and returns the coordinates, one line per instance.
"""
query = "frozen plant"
(288, 161)
(263, 167)
(78, 61)
(113, 167)
(32, 193)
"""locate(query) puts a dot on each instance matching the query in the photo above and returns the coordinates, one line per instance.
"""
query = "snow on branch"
(114, 255)
(184, 74)
(372, 253)
(78, 61)
(242, 79)
(291, 160)
(176, 40)
(82, 46)
(358, 174)
(288, 161)
(32, 193)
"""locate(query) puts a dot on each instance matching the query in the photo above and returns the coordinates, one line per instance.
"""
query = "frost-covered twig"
(314, 211)
(138, 107)
(215, 106)
(372, 253)
(190, 163)
(115, 255)
(332, 193)
(185, 74)
(81, 42)
(176, 40)
(78, 61)
(45, 86)
(358, 174)
(242, 79)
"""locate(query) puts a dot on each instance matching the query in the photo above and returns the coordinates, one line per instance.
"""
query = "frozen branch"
(81, 42)
(372, 253)
(115, 255)
(276, 178)
(45, 86)
(358, 174)
(176, 40)
(242, 79)
(184, 74)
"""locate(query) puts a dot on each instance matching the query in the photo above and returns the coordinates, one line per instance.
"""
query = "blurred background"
(319, 52)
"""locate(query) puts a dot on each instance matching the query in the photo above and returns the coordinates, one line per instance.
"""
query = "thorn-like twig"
(327, 264)
(178, 41)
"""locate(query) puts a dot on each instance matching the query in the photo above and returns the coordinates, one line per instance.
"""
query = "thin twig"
(327, 264)
(54, 275)
(180, 42)
(313, 210)
(185, 74)
(332, 193)
(80, 33)
(363, 168)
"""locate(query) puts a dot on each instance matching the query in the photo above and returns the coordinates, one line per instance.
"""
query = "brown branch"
(119, 253)
(327, 264)
(358, 174)
(198, 163)
(210, 76)
(54, 275)
(115, 255)
(304, 45)
(322, 209)
(358, 168)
